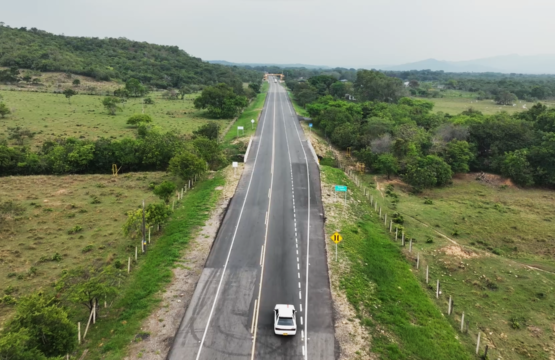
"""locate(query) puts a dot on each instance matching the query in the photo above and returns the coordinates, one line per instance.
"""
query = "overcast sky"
(321, 32)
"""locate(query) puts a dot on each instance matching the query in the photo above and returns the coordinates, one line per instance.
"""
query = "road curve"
(270, 249)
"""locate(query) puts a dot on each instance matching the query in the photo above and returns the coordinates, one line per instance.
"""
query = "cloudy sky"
(322, 32)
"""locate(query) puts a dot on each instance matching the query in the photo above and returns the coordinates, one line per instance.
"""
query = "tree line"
(397, 135)
(150, 150)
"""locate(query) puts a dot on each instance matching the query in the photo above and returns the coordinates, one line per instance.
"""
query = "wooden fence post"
(417, 261)
(79, 332)
(478, 343)
(449, 308)
(462, 322)
(129, 265)
(390, 226)
(437, 290)
(427, 272)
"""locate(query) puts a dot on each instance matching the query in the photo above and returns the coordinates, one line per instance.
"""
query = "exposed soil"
(163, 323)
(457, 251)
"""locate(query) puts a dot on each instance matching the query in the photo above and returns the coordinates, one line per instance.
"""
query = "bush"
(428, 202)
(186, 165)
(87, 248)
(398, 218)
(139, 119)
(74, 230)
(50, 331)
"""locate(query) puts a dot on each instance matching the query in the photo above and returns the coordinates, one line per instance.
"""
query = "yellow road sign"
(336, 238)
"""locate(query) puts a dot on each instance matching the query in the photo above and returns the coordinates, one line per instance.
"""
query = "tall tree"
(373, 85)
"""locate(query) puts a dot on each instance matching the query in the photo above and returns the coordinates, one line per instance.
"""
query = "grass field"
(121, 323)
(50, 115)
(456, 104)
(491, 247)
(404, 323)
(79, 217)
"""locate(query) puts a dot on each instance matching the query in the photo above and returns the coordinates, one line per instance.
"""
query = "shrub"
(165, 190)
(7, 300)
(139, 119)
(429, 239)
(87, 248)
(74, 230)
(428, 202)
(398, 218)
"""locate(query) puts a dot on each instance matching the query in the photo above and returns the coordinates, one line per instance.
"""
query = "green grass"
(501, 230)
(387, 297)
(64, 214)
(110, 336)
(50, 115)
(244, 120)
(456, 104)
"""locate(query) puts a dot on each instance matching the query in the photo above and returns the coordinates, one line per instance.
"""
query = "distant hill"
(108, 59)
(285, 66)
(536, 64)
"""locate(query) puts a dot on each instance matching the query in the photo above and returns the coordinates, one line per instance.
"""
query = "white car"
(285, 322)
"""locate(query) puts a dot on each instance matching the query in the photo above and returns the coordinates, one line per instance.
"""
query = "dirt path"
(163, 323)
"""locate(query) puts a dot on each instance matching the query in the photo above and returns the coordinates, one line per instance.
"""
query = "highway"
(270, 249)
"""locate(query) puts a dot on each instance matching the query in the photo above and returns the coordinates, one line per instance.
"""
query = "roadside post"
(235, 165)
(336, 237)
(310, 127)
(242, 128)
(252, 124)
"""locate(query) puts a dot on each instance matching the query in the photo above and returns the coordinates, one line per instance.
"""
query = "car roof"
(285, 310)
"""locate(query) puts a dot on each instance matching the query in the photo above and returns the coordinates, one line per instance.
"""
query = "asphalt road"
(270, 250)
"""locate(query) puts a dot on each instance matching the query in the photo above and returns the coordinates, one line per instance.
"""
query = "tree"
(27, 78)
(155, 214)
(221, 101)
(165, 190)
(4, 110)
(255, 86)
(18, 346)
(69, 93)
(458, 155)
(210, 151)
(373, 85)
(428, 172)
(515, 166)
(148, 101)
(210, 131)
(186, 165)
(86, 286)
(414, 84)
(505, 98)
(111, 104)
(387, 164)
(135, 88)
(184, 90)
(46, 323)
(121, 93)
(76, 82)
(139, 119)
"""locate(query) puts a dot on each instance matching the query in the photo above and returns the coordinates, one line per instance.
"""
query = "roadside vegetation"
(389, 302)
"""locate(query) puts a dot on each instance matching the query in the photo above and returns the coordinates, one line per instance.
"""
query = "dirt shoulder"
(160, 327)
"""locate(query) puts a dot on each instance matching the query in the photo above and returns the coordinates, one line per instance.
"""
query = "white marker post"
(252, 124)
(240, 128)
(235, 165)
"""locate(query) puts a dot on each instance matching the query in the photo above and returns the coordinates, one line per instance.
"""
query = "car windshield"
(284, 321)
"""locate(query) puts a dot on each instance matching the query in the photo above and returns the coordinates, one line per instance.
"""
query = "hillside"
(113, 59)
